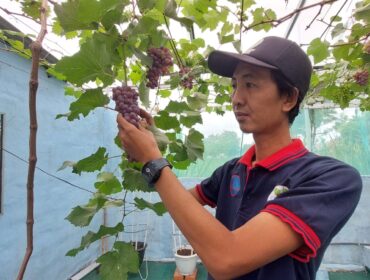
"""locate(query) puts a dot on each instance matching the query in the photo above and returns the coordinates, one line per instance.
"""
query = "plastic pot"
(186, 260)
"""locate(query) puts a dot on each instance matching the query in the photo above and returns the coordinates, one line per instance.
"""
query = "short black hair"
(286, 88)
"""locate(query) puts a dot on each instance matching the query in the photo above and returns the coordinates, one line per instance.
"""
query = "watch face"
(147, 173)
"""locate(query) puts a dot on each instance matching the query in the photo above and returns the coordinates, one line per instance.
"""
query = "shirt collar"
(294, 150)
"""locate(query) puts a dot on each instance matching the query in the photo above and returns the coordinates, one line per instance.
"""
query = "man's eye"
(233, 86)
(249, 84)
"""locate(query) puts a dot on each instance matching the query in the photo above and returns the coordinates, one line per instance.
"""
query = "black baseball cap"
(271, 52)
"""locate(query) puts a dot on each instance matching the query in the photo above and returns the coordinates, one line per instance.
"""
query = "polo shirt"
(315, 195)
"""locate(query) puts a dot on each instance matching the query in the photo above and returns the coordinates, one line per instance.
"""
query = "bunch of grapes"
(361, 77)
(162, 61)
(186, 79)
(126, 103)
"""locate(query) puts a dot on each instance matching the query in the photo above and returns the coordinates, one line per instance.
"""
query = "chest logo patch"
(235, 185)
(277, 191)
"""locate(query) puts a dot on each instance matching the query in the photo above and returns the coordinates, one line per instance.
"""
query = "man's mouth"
(241, 115)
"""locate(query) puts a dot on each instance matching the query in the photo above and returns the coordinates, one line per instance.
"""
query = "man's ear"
(290, 100)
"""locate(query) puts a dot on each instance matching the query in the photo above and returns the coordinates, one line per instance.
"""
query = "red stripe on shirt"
(312, 241)
(288, 159)
(203, 196)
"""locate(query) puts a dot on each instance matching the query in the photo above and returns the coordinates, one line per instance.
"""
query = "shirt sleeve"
(209, 188)
(318, 205)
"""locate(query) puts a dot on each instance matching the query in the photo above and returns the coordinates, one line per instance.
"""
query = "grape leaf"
(171, 8)
(190, 120)
(87, 102)
(363, 13)
(181, 165)
(158, 207)
(108, 183)
(112, 17)
(359, 30)
(117, 141)
(164, 93)
(176, 107)
(164, 121)
(117, 263)
(194, 145)
(188, 46)
(226, 28)
(17, 45)
(51, 71)
(260, 15)
(318, 49)
(84, 14)
(148, 23)
(82, 215)
(212, 18)
(187, 22)
(338, 30)
(160, 137)
(94, 60)
(156, 15)
(144, 94)
(226, 39)
(145, 5)
(237, 45)
(134, 181)
(66, 164)
(32, 8)
(91, 237)
(136, 74)
(197, 101)
(178, 151)
(92, 163)
(69, 91)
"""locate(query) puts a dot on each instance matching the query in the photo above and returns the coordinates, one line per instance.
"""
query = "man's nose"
(236, 99)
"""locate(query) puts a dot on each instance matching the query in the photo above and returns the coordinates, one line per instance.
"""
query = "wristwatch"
(151, 170)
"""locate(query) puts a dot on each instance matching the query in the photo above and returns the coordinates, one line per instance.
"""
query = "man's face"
(256, 102)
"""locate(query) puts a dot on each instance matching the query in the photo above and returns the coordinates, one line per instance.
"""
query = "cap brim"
(224, 63)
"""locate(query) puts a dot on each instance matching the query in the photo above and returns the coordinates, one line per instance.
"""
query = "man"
(278, 206)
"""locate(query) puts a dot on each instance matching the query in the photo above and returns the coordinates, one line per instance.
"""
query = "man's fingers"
(143, 124)
(122, 123)
(148, 117)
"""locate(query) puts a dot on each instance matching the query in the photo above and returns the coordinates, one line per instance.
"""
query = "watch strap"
(151, 170)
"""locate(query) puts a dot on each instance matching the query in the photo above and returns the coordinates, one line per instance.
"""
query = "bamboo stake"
(36, 47)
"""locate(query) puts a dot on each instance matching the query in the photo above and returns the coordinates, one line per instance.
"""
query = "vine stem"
(312, 21)
(347, 43)
(276, 22)
(124, 213)
(125, 67)
(36, 47)
(351, 42)
(333, 18)
(18, 14)
(241, 21)
(172, 43)
(109, 108)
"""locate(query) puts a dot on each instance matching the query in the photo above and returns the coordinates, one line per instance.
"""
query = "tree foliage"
(114, 37)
